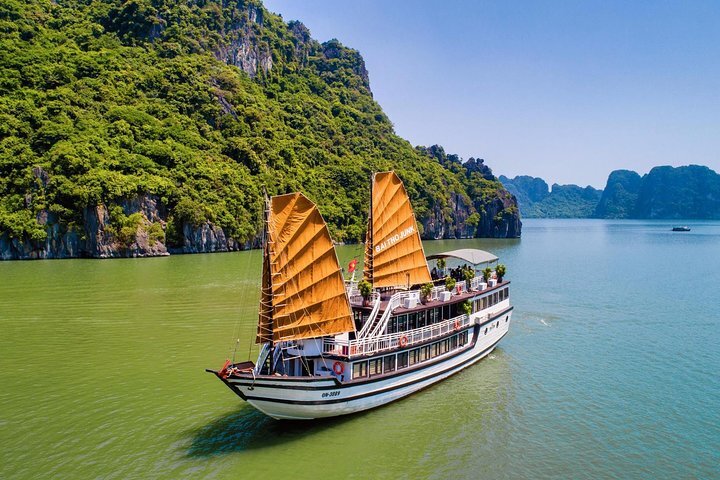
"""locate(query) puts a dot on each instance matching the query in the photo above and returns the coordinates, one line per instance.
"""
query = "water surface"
(610, 369)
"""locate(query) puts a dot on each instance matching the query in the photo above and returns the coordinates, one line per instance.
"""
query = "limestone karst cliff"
(137, 127)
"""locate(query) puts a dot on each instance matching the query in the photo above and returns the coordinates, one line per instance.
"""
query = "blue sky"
(564, 90)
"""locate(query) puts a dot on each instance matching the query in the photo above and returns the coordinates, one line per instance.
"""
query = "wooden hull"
(316, 397)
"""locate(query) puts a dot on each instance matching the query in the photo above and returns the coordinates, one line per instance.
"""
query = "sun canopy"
(470, 255)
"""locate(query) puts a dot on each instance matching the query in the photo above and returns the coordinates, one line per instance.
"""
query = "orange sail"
(394, 255)
(303, 293)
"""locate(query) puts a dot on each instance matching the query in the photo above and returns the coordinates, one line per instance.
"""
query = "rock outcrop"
(136, 229)
(483, 208)
(620, 195)
(691, 191)
(242, 46)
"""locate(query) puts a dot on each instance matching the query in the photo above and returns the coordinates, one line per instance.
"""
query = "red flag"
(352, 265)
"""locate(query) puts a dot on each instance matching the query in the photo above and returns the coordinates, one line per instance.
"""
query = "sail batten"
(394, 255)
(307, 296)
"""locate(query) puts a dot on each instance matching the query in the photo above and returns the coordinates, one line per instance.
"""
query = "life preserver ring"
(403, 341)
(338, 368)
(457, 324)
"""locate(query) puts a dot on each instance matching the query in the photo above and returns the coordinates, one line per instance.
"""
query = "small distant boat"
(684, 228)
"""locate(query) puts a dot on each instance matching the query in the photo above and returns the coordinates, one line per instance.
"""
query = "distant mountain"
(536, 200)
(691, 191)
(620, 195)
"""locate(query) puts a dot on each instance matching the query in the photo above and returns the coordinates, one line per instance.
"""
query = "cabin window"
(402, 360)
(421, 319)
(401, 323)
(412, 321)
(360, 369)
(434, 315)
(454, 342)
(415, 356)
(389, 363)
(495, 298)
(462, 338)
(424, 353)
(375, 367)
(435, 349)
(392, 325)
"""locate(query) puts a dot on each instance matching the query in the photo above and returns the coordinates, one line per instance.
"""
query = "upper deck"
(434, 300)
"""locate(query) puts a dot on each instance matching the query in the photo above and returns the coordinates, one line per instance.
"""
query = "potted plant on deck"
(365, 291)
(449, 283)
(500, 271)
(468, 275)
(487, 273)
(425, 292)
(441, 266)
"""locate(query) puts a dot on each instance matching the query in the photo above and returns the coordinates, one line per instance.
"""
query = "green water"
(610, 370)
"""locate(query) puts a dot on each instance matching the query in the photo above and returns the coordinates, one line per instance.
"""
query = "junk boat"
(326, 349)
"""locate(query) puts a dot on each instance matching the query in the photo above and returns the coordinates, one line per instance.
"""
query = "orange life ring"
(403, 341)
(338, 368)
(457, 324)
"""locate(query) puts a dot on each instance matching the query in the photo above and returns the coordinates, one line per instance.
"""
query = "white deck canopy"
(470, 255)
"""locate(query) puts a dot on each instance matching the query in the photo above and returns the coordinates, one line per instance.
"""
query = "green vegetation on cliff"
(198, 104)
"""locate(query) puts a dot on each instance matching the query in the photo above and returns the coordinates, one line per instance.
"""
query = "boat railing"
(375, 299)
(395, 301)
(368, 346)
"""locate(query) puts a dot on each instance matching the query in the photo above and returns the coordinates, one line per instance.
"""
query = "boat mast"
(266, 304)
(369, 235)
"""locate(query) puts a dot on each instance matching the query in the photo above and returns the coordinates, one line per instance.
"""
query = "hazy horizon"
(536, 87)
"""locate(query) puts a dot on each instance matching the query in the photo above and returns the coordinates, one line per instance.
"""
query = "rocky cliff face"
(691, 191)
(243, 47)
(620, 195)
(482, 208)
(136, 229)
